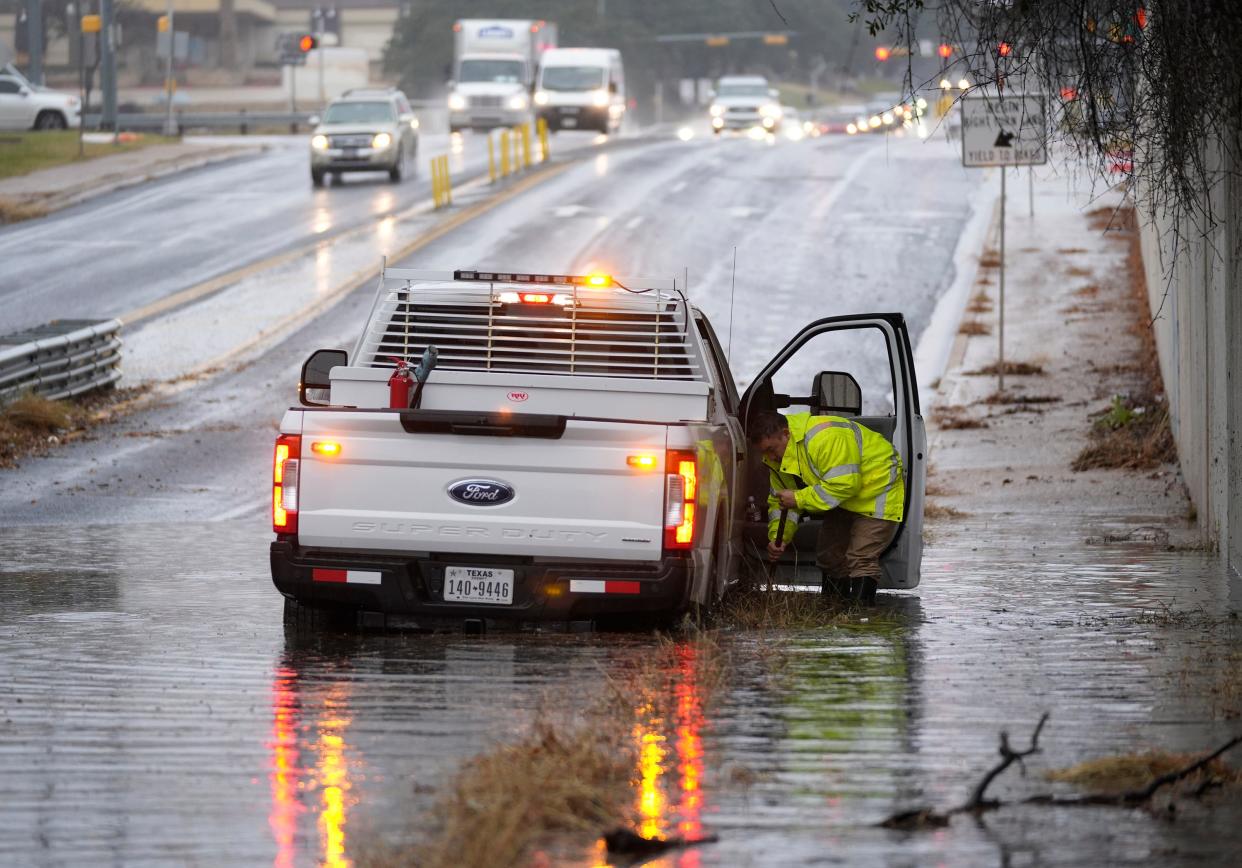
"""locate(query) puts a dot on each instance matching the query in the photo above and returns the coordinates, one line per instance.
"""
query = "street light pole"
(170, 127)
(107, 66)
(319, 22)
(34, 40)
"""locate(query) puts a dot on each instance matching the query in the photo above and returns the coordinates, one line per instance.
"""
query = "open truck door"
(862, 368)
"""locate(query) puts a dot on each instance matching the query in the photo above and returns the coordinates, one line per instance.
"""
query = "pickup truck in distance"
(576, 454)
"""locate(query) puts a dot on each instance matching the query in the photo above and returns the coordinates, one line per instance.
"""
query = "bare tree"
(1158, 80)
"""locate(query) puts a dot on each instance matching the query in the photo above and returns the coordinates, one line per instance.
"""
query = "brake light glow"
(285, 483)
(642, 462)
(326, 448)
(681, 490)
(534, 298)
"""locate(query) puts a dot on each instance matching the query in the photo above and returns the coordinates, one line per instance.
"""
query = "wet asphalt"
(152, 710)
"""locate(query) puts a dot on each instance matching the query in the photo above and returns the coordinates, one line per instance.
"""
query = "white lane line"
(634, 222)
(570, 210)
(742, 211)
(239, 511)
(678, 187)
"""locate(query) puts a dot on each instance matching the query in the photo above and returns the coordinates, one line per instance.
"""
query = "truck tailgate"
(572, 496)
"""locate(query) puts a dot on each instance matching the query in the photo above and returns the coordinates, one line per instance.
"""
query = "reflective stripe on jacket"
(841, 464)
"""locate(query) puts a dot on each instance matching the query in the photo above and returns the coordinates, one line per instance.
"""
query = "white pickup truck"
(576, 454)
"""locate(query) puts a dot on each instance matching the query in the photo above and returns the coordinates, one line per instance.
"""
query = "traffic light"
(1004, 49)
(882, 53)
(307, 41)
(161, 24)
(944, 50)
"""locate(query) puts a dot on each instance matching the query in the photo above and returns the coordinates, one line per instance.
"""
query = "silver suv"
(364, 130)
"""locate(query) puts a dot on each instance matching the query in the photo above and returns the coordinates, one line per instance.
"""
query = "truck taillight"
(680, 490)
(285, 462)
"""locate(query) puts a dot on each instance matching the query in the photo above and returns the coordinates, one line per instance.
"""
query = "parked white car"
(572, 448)
(26, 106)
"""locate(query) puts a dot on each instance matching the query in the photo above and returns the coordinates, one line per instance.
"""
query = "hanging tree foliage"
(1160, 79)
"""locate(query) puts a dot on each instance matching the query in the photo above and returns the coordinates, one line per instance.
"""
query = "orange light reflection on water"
(283, 817)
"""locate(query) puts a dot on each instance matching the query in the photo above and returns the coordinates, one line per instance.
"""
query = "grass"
(1117, 774)
(783, 610)
(933, 511)
(32, 424)
(1011, 398)
(22, 153)
(15, 211)
(1133, 434)
(974, 328)
(979, 303)
(567, 778)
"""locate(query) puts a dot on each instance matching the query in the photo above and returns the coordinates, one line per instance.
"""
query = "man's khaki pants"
(850, 545)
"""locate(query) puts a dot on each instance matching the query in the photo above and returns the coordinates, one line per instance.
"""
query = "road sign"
(1004, 131)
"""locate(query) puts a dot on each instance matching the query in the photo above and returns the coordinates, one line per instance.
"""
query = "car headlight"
(770, 110)
(541, 97)
(717, 122)
(319, 143)
(599, 98)
(456, 102)
(413, 123)
(517, 102)
(716, 110)
(381, 141)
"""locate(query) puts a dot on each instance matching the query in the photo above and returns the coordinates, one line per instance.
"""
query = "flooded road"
(152, 710)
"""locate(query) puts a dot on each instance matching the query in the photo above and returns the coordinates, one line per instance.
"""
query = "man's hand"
(775, 550)
(787, 498)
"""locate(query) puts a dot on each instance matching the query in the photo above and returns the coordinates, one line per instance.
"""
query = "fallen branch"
(929, 818)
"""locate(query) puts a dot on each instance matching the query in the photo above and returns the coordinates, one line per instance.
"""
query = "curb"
(84, 192)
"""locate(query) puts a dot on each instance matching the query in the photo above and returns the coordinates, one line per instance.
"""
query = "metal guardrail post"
(542, 128)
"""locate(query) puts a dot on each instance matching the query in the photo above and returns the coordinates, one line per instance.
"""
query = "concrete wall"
(1195, 284)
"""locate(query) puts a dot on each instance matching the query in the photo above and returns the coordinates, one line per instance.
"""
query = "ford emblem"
(480, 492)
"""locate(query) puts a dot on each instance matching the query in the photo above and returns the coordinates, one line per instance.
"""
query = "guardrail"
(60, 359)
(242, 120)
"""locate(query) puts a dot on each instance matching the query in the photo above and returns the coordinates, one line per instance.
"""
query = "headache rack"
(533, 324)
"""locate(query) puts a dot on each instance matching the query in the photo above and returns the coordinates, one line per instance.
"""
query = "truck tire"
(50, 120)
(317, 177)
(305, 618)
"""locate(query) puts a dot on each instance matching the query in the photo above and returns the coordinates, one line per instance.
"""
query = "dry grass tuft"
(1019, 369)
(973, 328)
(1091, 290)
(1118, 220)
(1124, 438)
(1117, 774)
(15, 210)
(979, 303)
(1011, 398)
(567, 778)
(990, 259)
(956, 418)
(1078, 271)
(1068, 250)
(933, 511)
(783, 610)
(38, 414)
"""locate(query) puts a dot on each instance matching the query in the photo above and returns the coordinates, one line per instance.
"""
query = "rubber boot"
(833, 586)
(863, 590)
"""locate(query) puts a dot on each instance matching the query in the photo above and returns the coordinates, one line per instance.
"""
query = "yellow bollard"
(441, 182)
(542, 128)
(504, 153)
(491, 159)
(447, 182)
(516, 140)
(526, 160)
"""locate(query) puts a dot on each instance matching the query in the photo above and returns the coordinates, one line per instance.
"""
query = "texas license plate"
(478, 585)
(350, 153)
(569, 122)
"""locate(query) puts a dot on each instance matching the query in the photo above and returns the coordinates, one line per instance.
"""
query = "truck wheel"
(49, 120)
(305, 618)
(317, 177)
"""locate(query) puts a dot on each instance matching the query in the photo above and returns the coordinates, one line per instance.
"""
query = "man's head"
(769, 433)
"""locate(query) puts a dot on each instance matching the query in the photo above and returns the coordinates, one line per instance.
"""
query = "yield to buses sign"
(1004, 131)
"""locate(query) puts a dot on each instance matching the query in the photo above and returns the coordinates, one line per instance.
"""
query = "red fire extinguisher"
(399, 385)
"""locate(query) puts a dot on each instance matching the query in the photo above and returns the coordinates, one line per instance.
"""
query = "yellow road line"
(227, 279)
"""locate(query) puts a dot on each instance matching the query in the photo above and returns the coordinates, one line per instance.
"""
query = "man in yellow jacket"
(843, 472)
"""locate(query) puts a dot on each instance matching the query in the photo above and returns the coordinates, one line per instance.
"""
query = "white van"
(581, 88)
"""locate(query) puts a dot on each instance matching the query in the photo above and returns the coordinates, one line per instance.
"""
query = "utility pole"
(320, 14)
(107, 66)
(34, 40)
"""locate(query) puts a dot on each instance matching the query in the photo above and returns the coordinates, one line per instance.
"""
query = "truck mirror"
(612, 87)
(837, 392)
(316, 380)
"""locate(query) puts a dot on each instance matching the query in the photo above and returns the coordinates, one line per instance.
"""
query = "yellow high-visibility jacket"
(843, 464)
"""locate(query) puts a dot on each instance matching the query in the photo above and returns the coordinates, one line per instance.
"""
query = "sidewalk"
(39, 193)
(1076, 321)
